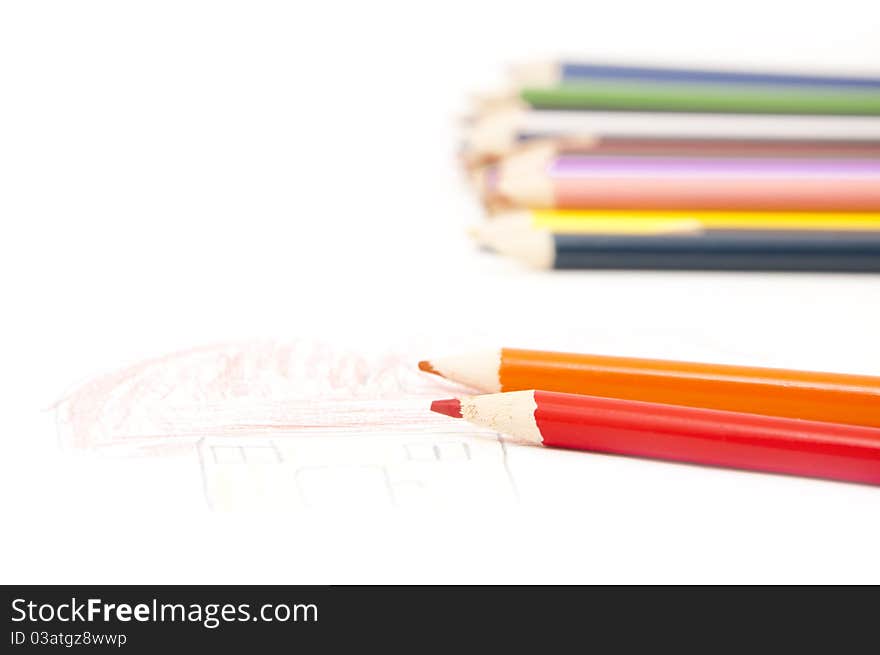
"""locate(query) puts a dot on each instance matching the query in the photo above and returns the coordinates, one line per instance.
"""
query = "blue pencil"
(561, 72)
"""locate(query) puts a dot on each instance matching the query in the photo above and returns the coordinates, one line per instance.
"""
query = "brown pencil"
(504, 131)
(702, 147)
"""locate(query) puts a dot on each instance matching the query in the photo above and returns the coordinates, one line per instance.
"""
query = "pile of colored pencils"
(598, 166)
(824, 425)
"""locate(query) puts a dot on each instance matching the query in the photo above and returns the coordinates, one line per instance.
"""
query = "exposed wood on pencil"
(679, 433)
(550, 73)
(500, 133)
(702, 97)
(708, 251)
(594, 221)
(813, 395)
(537, 178)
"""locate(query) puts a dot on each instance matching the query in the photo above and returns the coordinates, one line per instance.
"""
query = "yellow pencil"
(578, 221)
(599, 225)
(567, 220)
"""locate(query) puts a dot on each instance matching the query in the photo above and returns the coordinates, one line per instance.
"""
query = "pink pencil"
(536, 180)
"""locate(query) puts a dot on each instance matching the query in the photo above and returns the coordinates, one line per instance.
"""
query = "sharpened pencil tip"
(425, 366)
(450, 407)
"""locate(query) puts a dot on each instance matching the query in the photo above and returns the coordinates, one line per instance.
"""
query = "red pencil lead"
(450, 407)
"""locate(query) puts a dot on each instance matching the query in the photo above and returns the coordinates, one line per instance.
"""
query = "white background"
(175, 174)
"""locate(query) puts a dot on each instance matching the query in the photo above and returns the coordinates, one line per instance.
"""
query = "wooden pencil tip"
(450, 407)
(425, 366)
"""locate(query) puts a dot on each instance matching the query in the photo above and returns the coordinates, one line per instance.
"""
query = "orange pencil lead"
(425, 366)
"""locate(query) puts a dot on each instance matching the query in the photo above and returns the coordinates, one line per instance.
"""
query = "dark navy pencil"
(732, 250)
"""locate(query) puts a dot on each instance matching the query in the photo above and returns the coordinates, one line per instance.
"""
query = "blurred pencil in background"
(550, 73)
(698, 97)
(735, 250)
(591, 221)
(689, 168)
(604, 182)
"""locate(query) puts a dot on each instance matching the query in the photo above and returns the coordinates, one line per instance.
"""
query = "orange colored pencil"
(830, 397)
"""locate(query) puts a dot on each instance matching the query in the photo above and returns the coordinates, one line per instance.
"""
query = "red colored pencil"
(671, 432)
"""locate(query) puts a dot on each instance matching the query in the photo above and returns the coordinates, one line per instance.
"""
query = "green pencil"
(705, 98)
